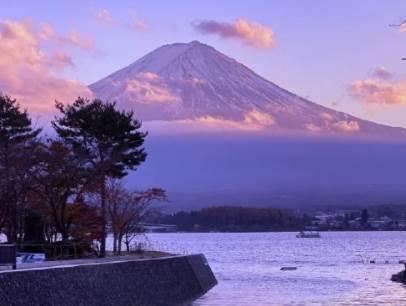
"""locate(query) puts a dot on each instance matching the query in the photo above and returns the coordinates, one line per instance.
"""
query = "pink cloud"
(329, 126)
(254, 121)
(74, 38)
(61, 60)
(347, 126)
(326, 116)
(251, 33)
(28, 73)
(136, 22)
(149, 88)
(402, 27)
(104, 16)
(381, 73)
(313, 127)
(47, 32)
(378, 92)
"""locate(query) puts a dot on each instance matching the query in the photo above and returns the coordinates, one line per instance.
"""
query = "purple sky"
(341, 54)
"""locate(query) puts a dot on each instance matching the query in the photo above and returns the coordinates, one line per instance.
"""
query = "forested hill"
(236, 219)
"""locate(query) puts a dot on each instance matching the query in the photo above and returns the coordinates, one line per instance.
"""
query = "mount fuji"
(194, 82)
(193, 85)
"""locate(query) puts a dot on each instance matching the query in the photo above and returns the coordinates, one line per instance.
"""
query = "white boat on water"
(308, 234)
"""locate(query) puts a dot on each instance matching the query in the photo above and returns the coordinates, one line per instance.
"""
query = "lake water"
(332, 270)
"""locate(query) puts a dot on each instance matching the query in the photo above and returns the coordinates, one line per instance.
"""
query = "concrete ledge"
(154, 282)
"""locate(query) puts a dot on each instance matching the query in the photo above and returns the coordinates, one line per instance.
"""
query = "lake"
(332, 270)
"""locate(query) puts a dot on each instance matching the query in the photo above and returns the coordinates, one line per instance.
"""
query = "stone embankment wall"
(154, 282)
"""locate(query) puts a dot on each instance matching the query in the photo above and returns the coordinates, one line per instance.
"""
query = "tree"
(17, 142)
(81, 225)
(58, 178)
(108, 140)
(237, 218)
(33, 227)
(85, 222)
(364, 217)
(126, 209)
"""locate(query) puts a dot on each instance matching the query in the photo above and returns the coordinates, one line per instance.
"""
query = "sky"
(341, 54)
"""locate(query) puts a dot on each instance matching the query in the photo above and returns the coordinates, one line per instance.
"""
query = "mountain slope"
(194, 82)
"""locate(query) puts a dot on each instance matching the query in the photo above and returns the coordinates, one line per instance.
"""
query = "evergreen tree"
(108, 140)
(16, 139)
(364, 217)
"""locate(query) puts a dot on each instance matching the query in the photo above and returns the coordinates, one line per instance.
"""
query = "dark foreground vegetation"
(59, 195)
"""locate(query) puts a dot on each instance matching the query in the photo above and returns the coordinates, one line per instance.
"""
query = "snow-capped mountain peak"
(196, 83)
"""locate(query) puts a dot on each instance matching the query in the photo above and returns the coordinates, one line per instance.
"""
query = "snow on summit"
(195, 83)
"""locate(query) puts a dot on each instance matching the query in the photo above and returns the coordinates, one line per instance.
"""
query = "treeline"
(66, 190)
(236, 219)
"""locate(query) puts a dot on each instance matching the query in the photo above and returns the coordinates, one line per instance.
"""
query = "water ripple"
(333, 270)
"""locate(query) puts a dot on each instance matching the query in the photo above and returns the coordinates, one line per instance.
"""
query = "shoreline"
(282, 231)
(128, 280)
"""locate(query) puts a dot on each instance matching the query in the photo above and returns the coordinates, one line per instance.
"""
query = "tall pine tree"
(108, 140)
(16, 138)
